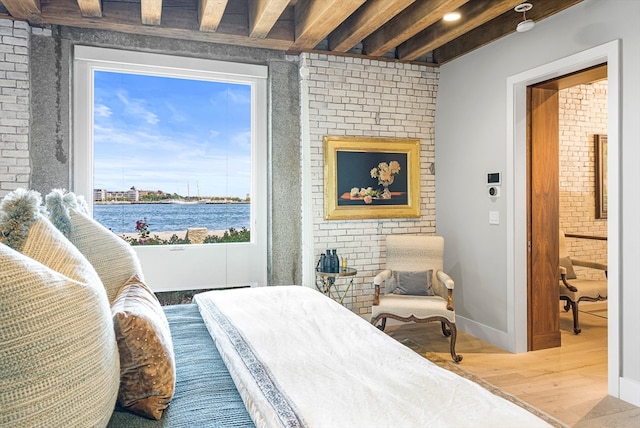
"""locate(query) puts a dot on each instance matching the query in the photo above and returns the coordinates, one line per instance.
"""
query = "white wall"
(346, 96)
(471, 120)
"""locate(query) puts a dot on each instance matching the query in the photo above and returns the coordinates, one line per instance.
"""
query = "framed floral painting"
(371, 178)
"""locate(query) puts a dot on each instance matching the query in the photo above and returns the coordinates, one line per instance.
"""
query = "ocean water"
(173, 217)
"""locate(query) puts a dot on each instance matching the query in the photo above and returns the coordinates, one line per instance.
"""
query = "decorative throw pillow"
(413, 283)
(112, 257)
(147, 367)
(565, 262)
(59, 362)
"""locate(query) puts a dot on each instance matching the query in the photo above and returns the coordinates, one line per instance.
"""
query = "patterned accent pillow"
(112, 257)
(147, 367)
(413, 283)
(59, 363)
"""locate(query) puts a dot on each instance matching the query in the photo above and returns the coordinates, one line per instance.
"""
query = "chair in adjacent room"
(574, 290)
(415, 286)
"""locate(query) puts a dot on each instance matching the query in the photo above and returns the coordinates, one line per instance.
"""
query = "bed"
(300, 359)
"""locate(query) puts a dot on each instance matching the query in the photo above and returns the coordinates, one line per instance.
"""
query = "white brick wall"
(360, 97)
(15, 169)
(583, 113)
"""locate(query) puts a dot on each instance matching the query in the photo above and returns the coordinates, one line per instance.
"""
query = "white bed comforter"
(300, 359)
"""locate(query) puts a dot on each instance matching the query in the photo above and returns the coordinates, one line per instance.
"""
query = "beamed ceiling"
(407, 30)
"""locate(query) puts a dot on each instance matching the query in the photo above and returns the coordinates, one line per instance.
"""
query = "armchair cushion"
(413, 283)
(421, 307)
(566, 263)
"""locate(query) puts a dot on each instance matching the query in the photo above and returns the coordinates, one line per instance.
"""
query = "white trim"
(630, 391)
(516, 197)
(174, 267)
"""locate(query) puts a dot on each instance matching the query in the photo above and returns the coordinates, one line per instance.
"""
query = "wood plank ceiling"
(406, 30)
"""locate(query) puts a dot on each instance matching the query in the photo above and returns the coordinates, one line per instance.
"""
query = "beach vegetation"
(145, 237)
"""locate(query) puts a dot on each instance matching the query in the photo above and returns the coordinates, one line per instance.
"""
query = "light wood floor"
(569, 382)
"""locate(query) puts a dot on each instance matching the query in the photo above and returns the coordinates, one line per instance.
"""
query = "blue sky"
(174, 135)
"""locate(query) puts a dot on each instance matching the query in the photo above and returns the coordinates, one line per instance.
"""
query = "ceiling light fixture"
(525, 24)
(451, 16)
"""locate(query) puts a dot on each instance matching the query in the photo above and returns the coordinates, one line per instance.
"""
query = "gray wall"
(471, 140)
(51, 142)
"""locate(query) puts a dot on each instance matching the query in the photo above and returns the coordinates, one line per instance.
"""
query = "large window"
(163, 144)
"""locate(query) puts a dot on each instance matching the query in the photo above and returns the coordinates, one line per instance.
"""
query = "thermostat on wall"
(493, 179)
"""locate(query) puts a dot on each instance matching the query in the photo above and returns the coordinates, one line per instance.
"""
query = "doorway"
(516, 201)
(546, 101)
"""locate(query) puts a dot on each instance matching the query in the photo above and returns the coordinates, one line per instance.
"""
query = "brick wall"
(361, 97)
(583, 113)
(15, 167)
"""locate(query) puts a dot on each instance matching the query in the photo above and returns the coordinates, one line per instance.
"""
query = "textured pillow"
(413, 283)
(59, 362)
(112, 257)
(565, 262)
(147, 368)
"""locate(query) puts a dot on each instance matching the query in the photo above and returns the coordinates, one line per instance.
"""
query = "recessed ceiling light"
(451, 16)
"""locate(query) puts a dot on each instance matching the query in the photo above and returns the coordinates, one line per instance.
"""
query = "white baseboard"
(488, 334)
(630, 391)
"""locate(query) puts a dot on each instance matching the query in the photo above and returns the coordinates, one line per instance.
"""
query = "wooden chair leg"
(454, 334)
(445, 329)
(383, 324)
(576, 323)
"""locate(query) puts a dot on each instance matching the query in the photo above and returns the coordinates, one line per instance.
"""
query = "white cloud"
(135, 107)
(102, 110)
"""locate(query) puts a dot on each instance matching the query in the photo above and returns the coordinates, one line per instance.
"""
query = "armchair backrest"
(563, 245)
(417, 253)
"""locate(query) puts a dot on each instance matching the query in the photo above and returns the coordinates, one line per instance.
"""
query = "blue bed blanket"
(205, 395)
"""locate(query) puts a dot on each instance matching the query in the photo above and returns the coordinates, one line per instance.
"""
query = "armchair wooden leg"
(445, 329)
(454, 333)
(383, 322)
(576, 323)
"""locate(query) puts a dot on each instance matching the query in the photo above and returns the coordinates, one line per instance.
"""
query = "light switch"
(494, 217)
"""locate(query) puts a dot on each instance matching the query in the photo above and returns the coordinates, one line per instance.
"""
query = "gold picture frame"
(385, 172)
(601, 175)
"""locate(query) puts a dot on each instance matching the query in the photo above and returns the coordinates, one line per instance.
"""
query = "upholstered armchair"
(413, 287)
(574, 290)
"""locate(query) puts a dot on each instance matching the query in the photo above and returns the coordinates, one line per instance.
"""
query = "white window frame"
(181, 267)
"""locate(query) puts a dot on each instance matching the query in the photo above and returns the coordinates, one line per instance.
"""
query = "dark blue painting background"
(354, 170)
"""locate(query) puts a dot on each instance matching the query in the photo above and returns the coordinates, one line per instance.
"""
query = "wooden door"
(543, 142)
(542, 288)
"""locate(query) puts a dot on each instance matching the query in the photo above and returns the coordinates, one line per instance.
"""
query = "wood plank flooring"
(569, 382)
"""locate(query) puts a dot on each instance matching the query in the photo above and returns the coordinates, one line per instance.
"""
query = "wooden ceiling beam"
(210, 14)
(493, 30)
(408, 23)
(90, 8)
(181, 24)
(315, 20)
(371, 16)
(151, 11)
(474, 14)
(263, 14)
(23, 9)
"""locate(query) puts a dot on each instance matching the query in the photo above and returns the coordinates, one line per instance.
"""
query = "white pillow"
(112, 257)
(59, 363)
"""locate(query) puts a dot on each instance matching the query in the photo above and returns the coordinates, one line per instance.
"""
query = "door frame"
(516, 196)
